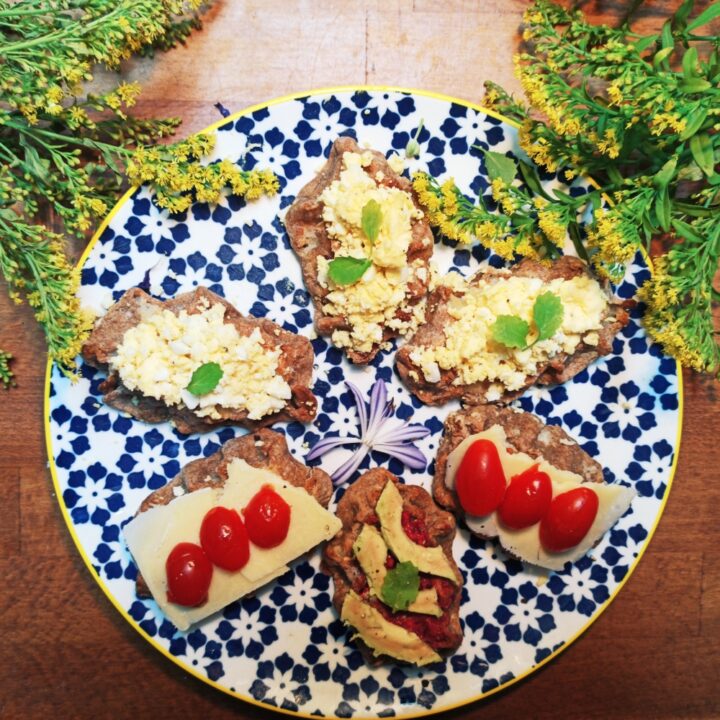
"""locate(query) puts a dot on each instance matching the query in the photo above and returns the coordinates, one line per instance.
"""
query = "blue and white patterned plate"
(286, 648)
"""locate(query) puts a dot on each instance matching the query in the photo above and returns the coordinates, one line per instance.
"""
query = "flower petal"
(401, 433)
(408, 454)
(346, 470)
(360, 405)
(329, 443)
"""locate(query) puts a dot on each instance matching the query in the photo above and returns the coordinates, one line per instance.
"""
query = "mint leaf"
(347, 270)
(372, 218)
(548, 314)
(500, 166)
(401, 586)
(511, 331)
(205, 379)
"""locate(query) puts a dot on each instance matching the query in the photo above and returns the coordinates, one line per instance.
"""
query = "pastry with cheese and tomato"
(227, 525)
(530, 485)
(397, 586)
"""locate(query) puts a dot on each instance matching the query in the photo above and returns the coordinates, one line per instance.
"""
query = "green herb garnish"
(547, 314)
(372, 218)
(205, 379)
(347, 270)
(512, 331)
(401, 586)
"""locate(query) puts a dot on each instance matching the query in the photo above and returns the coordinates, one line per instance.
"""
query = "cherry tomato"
(224, 538)
(189, 572)
(267, 518)
(527, 499)
(568, 519)
(480, 480)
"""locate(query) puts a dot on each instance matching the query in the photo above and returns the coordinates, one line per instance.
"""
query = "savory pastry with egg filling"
(198, 362)
(530, 485)
(364, 245)
(227, 525)
(397, 586)
(555, 319)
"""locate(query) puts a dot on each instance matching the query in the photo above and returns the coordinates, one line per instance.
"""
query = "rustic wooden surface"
(66, 652)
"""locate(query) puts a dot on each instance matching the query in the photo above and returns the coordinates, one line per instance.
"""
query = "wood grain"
(67, 653)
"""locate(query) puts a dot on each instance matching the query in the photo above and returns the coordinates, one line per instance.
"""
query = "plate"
(286, 648)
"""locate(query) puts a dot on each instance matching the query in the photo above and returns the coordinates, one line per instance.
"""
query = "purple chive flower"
(375, 434)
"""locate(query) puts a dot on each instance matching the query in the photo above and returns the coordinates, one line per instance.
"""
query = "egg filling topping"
(378, 299)
(157, 357)
(470, 350)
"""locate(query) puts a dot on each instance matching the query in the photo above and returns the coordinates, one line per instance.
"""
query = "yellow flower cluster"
(6, 374)
(441, 207)
(178, 177)
(664, 321)
(537, 148)
(614, 240)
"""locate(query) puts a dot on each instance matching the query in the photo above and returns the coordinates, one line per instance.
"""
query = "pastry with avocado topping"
(397, 586)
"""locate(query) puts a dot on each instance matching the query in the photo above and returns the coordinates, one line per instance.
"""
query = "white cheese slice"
(613, 501)
(151, 535)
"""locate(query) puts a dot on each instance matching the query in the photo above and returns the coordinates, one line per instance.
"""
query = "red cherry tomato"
(527, 499)
(267, 518)
(224, 538)
(189, 572)
(480, 480)
(568, 519)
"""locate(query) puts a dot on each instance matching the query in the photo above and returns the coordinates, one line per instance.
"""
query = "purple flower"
(375, 434)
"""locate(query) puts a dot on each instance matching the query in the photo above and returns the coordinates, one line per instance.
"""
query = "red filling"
(434, 631)
(415, 529)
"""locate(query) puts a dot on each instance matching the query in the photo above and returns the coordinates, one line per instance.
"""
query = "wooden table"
(66, 653)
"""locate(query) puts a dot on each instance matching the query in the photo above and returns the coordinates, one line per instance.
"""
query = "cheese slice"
(151, 535)
(614, 500)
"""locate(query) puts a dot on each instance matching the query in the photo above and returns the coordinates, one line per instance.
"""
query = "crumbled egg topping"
(371, 303)
(158, 356)
(470, 351)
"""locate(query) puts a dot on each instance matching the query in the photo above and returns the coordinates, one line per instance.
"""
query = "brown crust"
(525, 433)
(295, 363)
(309, 239)
(264, 449)
(558, 370)
(356, 508)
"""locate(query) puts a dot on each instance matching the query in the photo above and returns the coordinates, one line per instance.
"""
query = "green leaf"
(662, 55)
(205, 379)
(705, 16)
(687, 232)
(666, 37)
(662, 177)
(701, 147)
(530, 176)
(690, 63)
(662, 208)
(547, 314)
(695, 122)
(401, 586)
(694, 85)
(644, 43)
(500, 166)
(510, 331)
(372, 218)
(683, 13)
(347, 270)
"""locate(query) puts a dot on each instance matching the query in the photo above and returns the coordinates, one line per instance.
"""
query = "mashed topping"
(158, 356)
(470, 350)
(372, 303)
